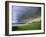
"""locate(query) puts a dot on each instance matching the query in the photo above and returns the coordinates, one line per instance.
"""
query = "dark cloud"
(23, 12)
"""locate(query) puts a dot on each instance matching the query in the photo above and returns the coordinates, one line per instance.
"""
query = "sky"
(21, 12)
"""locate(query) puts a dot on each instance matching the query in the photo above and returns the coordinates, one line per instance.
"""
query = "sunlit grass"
(32, 26)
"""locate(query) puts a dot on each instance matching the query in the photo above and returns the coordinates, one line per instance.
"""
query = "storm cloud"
(24, 12)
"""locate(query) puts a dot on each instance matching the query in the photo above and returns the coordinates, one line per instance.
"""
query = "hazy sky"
(19, 12)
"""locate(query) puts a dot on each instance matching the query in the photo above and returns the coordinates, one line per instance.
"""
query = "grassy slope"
(32, 26)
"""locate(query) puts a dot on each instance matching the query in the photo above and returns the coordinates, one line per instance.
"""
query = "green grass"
(32, 26)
